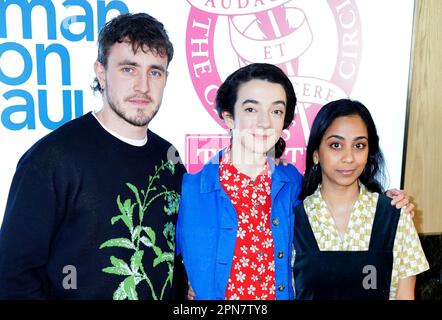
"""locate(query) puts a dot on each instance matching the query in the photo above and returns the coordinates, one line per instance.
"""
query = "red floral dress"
(252, 276)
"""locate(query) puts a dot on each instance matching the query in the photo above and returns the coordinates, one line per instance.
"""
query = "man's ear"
(228, 119)
(100, 73)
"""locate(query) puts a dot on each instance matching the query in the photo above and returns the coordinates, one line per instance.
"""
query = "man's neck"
(133, 142)
(115, 123)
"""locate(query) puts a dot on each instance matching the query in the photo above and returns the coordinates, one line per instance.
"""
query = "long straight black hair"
(373, 175)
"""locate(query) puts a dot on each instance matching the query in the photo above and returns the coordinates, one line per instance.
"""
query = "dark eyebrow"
(158, 66)
(128, 63)
(249, 101)
(360, 138)
(342, 138)
(135, 64)
(256, 102)
(336, 137)
(279, 102)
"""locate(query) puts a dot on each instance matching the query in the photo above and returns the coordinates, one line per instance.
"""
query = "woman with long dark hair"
(350, 243)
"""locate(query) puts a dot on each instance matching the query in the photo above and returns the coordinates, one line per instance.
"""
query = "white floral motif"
(267, 243)
(264, 216)
(234, 297)
(241, 233)
(251, 289)
(268, 190)
(262, 199)
(264, 286)
(231, 187)
(244, 261)
(244, 217)
(225, 175)
(253, 212)
(261, 268)
(240, 276)
(272, 289)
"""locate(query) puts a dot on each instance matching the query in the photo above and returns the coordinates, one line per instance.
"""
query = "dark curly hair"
(227, 93)
(373, 175)
(140, 29)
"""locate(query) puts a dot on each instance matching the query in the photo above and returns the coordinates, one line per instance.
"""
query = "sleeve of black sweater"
(27, 228)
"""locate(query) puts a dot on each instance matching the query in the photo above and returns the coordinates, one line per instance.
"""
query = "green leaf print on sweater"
(142, 238)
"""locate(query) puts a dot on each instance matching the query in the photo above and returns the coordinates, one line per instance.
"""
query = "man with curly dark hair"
(92, 208)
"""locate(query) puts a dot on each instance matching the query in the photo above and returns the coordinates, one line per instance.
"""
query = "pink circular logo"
(317, 44)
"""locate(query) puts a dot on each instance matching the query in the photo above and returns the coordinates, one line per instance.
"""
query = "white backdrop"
(330, 49)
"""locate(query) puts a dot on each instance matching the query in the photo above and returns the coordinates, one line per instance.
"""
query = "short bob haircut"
(227, 93)
(373, 175)
(139, 29)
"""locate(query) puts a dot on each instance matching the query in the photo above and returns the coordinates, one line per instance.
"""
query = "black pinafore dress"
(345, 275)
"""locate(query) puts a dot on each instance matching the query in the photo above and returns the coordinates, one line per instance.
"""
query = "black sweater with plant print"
(91, 217)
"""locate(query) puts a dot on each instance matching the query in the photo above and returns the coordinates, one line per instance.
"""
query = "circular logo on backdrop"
(317, 43)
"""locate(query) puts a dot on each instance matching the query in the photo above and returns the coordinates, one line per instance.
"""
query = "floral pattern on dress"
(252, 276)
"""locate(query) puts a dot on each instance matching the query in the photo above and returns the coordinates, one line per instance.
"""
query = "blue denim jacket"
(207, 226)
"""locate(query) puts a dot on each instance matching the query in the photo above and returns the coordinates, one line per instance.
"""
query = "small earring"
(315, 167)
